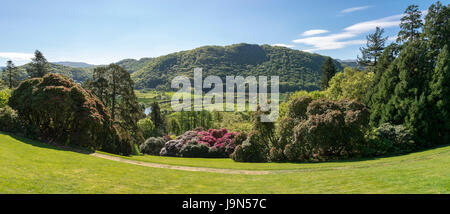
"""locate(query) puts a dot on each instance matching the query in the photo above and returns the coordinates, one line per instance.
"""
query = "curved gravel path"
(185, 168)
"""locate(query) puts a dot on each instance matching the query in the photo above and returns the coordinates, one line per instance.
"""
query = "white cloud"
(386, 22)
(314, 32)
(284, 45)
(353, 9)
(16, 56)
(344, 38)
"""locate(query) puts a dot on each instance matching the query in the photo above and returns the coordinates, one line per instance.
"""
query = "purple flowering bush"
(214, 143)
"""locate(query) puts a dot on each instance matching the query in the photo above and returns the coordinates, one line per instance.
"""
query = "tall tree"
(439, 95)
(157, 118)
(410, 24)
(376, 91)
(328, 71)
(10, 74)
(115, 88)
(436, 30)
(374, 48)
(38, 66)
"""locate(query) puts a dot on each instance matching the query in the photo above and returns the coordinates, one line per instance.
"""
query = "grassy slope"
(31, 167)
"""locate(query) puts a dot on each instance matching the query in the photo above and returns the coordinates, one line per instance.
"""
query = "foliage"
(350, 84)
(194, 149)
(10, 74)
(55, 109)
(152, 145)
(284, 106)
(410, 90)
(147, 127)
(114, 87)
(439, 94)
(332, 129)
(9, 120)
(374, 48)
(298, 106)
(328, 71)
(5, 94)
(157, 119)
(297, 70)
(410, 24)
(39, 65)
(391, 139)
(251, 150)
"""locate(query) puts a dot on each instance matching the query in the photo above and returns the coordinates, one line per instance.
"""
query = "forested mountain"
(296, 69)
(74, 64)
(132, 65)
(77, 74)
(349, 62)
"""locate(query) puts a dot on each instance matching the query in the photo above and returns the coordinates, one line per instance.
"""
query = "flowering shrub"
(217, 143)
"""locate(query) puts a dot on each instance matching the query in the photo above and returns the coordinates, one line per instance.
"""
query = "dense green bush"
(5, 94)
(152, 146)
(285, 131)
(391, 139)
(55, 109)
(194, 149)
(293, 153)
(330, 130)
(276, 155)
(251, 150)
(147, 127)
(9, 120)
(298, 107)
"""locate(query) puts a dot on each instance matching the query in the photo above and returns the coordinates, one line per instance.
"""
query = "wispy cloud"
(345, 38)
(16, 56)
(314, 32)
(353, 9)
(284, 45)
(386, 22)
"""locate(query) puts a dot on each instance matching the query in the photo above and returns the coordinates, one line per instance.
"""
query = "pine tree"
(439, 95)
(378, 92)
(410, 24)
(157, 118)
(10, 75)
(39, 65)
(328, 71)
(436, 30)
(374, 48)
(114, 87)
(409, 99)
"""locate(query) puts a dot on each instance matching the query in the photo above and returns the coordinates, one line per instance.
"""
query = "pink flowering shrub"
(220, 143)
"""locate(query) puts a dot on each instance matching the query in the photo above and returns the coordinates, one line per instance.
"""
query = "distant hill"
(349, 62)
(77, 74)
(132, 65)
(297, 70)
(74, 64)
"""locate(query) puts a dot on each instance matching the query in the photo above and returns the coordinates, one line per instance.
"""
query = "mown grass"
(226, 163)
(28, 166)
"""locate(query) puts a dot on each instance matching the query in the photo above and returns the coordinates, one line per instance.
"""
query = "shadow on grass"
(48, 145)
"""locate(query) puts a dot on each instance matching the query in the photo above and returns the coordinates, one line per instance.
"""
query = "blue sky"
(102, 32)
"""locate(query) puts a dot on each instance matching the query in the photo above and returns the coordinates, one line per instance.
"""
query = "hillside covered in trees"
(297, 70)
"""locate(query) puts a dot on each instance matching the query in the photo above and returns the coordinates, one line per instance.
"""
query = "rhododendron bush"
(214, 143)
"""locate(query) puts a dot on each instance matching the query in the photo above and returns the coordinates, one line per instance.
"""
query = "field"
(28, 166)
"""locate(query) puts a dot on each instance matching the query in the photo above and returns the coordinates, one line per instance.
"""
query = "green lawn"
(31, 167)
